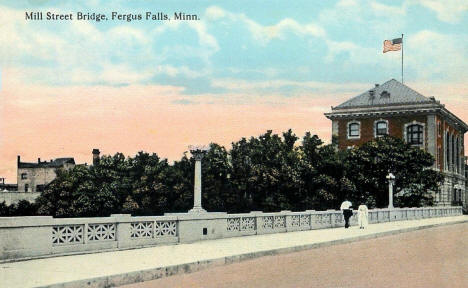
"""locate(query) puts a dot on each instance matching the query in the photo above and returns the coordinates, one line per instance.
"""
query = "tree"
(368, 166)
(268, 173)
(265, 170)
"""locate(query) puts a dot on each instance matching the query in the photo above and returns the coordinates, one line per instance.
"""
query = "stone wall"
(37, 236)
(15, 197)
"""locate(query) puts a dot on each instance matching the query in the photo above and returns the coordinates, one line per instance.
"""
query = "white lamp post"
(198, 153)
(391, 180)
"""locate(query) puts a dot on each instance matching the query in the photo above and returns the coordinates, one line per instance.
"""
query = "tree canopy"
(270, 172)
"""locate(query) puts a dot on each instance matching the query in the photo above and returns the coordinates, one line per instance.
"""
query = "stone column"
(391, 181)
(198, 153)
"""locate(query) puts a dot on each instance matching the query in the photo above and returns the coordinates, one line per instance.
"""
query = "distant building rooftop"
(56, 163)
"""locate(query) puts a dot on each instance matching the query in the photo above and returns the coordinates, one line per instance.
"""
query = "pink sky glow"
(51, 122)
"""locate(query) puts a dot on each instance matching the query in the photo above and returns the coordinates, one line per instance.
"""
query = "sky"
(243, 68)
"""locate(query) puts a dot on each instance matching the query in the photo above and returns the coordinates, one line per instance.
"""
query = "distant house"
(397, 110)
(7, 187)
(32, 177)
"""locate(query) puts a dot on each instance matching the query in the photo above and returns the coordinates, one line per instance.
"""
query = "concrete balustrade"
(38, 236)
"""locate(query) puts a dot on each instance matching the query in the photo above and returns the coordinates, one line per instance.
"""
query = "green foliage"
(269, 173)
(22, 208)
(370, 164)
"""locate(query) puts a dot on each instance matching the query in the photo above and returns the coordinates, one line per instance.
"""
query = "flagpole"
(402, 59)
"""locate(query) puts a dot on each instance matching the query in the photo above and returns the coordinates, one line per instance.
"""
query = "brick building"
(397, 110)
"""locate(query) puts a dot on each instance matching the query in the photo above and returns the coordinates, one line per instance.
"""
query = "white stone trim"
(347, 129)
(423, 145)
(375, 127)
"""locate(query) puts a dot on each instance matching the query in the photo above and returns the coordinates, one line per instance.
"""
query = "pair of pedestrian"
(363, 213)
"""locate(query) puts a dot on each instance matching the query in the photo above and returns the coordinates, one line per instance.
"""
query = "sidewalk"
(129, 266)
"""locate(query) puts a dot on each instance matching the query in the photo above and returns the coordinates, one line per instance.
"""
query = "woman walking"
(363, 216)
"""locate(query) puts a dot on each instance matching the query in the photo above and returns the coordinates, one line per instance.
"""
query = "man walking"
(347, 211)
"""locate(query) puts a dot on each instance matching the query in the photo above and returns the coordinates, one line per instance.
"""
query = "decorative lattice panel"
(339, 218)
(305, 220)
(165, 228)
(67, 234)
(101, 232)
(141, 230)
(280, 221)
(248, 224)
(319, 219)
(268, 222)
(233, 224)
(295, 221)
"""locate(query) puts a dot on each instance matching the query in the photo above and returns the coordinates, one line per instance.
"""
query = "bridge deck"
(129, 266)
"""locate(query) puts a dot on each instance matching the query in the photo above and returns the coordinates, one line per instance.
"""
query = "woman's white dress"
(363, 216)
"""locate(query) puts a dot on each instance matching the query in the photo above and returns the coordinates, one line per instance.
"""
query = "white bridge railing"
(25, 237)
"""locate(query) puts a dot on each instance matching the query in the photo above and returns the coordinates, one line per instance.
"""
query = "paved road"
(436, 257)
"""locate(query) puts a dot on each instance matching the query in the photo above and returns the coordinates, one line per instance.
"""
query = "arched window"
(354, 129)
(381, 128)
(414, 134)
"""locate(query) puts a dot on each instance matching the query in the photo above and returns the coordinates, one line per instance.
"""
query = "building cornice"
(392, 110)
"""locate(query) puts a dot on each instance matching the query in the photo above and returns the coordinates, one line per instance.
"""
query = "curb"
(161, 272)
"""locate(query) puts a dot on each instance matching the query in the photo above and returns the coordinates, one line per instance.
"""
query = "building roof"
(56, 163)
(393, 98)
(389, 93)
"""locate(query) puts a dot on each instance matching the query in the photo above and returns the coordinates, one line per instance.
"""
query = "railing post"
(122, 233)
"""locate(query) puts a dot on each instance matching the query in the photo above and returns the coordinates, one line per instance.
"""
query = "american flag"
(392, 45)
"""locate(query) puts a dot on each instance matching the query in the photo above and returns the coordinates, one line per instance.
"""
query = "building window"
(457, 156)
(447, 151)
(26, 187)
(354, 130)
(439, 156)
(439, 128)
(384, 94)
(24, 176)
(414, 134)
(381, 128)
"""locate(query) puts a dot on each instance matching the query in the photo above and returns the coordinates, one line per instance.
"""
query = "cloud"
(320, 88)
(367, 16)
(355, 54)
(266, 33)
(436, 56)
(380, 9)
(450, 11)
(183, 101)
(81, 52)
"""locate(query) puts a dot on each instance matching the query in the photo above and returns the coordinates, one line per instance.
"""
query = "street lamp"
(198, 152)
(391, 180)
